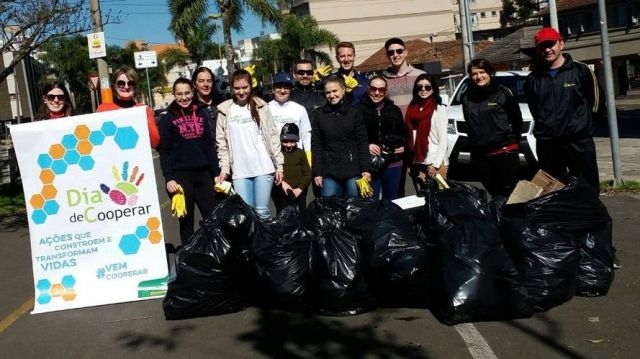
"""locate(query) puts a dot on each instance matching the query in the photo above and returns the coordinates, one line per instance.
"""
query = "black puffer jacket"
(493, 117)
(384, 126)
(308, 97)
(339, 144)
(564, 106)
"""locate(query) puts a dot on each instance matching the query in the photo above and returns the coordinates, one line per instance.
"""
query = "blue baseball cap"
(282, 78)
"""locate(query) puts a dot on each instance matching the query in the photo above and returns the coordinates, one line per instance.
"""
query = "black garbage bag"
(474, 278)
(394, 251)
(561, 244)
(338, 286)
(281, 256)
(212, 272)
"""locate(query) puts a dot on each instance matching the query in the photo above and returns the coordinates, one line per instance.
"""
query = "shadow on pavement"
(550, 338)
(133, 341)
(14, 222)
(290, 335)
(628, 125)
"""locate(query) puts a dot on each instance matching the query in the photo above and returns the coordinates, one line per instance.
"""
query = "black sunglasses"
(425, 87)
(304, 72)
(53, 97)
(122, 84)
(396, 51)
(378, 89)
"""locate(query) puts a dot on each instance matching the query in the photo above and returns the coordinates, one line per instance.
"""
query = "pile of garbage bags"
(463, 256)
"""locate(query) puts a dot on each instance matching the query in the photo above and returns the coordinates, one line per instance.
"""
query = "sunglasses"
(396, 51)
(304, 72)
(54, 97)
(122, 84)
(377, 89)
(425, 87)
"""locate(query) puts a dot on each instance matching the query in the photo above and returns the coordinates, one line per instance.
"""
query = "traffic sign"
(144, 59)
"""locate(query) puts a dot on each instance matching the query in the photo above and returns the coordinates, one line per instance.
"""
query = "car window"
(515, 83)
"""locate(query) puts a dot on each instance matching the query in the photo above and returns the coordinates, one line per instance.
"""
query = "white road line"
(477, 345)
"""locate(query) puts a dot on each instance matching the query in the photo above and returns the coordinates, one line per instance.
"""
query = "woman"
(204, 81)
(339, 146)
(56, 102)
(387, 138)
(187, 155)
(248, 145)
(426, 121)
(494, 123)
(123, 82)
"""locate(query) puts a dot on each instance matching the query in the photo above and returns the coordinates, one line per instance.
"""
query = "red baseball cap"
(547, 34)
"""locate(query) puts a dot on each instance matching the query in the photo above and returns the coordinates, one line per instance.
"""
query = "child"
(297, 172)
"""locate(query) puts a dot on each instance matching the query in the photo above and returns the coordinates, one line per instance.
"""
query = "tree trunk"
(228, 45)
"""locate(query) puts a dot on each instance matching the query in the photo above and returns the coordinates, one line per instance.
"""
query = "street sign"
(144, 59)
(97, 46)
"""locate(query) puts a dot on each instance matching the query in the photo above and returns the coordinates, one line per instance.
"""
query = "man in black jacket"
(564, 98)
(304, 91)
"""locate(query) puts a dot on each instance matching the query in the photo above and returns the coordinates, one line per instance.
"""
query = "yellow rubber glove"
(308, 153)
(350, 83)
(224, 187)
(364, 187)
(178, 207)
(252, 71)
(321, 72)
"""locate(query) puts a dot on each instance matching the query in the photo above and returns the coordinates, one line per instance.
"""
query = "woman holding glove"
(187, 155)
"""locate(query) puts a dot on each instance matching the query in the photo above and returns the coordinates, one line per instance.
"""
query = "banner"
(92, 204)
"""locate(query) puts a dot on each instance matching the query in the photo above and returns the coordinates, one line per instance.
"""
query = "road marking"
(6, 322)
(476, 344)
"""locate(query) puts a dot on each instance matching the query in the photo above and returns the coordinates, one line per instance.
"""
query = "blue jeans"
(341, 188)
(388, 181)
(256, 191)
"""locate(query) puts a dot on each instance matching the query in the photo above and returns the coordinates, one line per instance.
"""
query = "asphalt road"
(604, 327)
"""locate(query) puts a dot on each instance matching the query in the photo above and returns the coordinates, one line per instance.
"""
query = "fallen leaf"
(596, 341)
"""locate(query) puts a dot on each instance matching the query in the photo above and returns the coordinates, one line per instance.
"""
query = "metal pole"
(553, 14)
(103, 70)
(464, 33)
(146, 69)
(610, 95)
(469, 29)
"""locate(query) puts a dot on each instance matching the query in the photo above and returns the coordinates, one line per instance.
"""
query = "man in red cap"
(564, 98)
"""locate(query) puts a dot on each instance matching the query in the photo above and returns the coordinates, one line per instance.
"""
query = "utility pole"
(464, 31)
(609, 93)
(103, 71)
(553, 15)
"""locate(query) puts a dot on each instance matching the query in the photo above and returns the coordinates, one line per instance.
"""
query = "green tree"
(191, 25)
(185, 13)
(518, 13)
(28, 25)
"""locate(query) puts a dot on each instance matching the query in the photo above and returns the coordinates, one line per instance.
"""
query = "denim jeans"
(341, 188)
(388, 181)
(256, 191)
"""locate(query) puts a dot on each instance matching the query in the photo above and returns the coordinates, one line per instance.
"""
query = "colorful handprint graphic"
(126, 189)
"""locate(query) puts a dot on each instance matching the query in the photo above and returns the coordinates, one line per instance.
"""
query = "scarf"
(418, 118)
(124, 104)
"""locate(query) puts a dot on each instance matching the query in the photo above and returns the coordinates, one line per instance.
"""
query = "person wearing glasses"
(339, 145)
(346, 57)
(248, 145)
(124, 81)
(387, 139)
(304, 91)
(188, 157)
(494, 121)
(56, 103)
(426, 121)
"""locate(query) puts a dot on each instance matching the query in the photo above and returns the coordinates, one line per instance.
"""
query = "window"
(483, 15)
(494, 13)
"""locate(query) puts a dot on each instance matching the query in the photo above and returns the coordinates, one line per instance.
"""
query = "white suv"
(458, 149)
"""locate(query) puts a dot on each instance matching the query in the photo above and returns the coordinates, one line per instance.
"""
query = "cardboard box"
(541, 184)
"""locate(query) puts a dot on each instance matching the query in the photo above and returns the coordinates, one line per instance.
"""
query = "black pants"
(498, 173)
(562, 158)
(282, 200)
(198, 190)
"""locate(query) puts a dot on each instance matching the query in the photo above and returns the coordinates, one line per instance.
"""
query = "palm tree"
(189, 24)
(185, 13)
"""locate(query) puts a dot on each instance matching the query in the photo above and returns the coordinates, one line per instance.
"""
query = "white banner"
(94, 216)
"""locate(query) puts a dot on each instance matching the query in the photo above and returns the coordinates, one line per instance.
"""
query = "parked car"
(458, 149)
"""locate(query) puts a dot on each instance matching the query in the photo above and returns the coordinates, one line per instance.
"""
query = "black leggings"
(498, 173)
(198, 190)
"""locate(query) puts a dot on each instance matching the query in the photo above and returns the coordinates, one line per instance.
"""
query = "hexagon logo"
(47, 176)
(51, 207)
(68, 281)
(72, 157)
(86, 163)
(96, 138)
(155, 237)
(69, 295)
(43, 285)
(49, 191)
(129, 244)
(82, 132)
(153, 223)
(36, 201)
(59, 167)
(38, 216)
(69, 142)
(109, 128)
(142, 232)
(126, 138)
(84, 147)
(56, 151)
(44, 160)
(56, 290)
(44, 298)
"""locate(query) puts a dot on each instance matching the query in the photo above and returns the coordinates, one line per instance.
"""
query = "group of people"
(328, 135)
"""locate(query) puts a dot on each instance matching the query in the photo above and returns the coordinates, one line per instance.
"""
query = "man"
(400, 75)
(285, 111)
(304, 91)
(564, 98)
(346, 57)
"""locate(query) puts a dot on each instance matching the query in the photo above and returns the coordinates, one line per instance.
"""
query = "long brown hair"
(43, 113)
(253, 107)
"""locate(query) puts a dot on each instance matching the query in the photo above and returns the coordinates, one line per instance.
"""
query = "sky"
(149, 20)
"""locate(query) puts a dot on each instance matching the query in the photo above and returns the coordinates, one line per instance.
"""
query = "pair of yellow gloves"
(349, 81)
(364, 187)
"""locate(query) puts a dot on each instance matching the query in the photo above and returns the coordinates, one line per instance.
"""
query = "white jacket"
(437, 152)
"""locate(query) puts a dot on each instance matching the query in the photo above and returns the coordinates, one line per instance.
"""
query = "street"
(603, 327)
